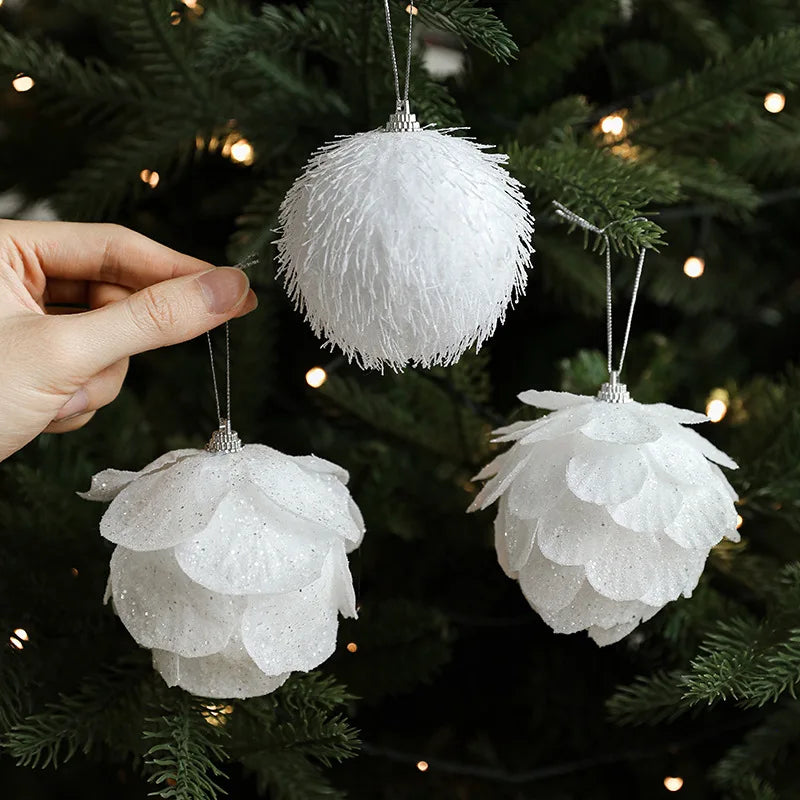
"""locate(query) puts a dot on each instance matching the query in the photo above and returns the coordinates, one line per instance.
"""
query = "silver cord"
(411, 10)
(569, 215)
(214, 375)
(401, 100)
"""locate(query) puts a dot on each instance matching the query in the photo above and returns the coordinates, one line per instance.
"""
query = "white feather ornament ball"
(608, 510)
(231, 567)
(405, 247)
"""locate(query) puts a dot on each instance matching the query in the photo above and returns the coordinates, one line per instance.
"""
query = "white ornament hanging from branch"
(231, 562)
(608, 507)
(405, 245)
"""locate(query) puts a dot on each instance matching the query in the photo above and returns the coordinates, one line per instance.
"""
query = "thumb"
(162, 314)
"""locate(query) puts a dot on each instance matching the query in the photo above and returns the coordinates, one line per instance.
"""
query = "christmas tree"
(674, 120)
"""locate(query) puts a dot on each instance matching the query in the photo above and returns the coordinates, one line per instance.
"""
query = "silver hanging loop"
(613, 391)
(225, 439)
(402, 121)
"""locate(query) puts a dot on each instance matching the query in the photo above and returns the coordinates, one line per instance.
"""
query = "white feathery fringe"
(607, 511)
(405, 248)
(231, 568)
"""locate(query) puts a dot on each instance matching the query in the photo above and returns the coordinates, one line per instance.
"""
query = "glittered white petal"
(682, 416)
(703, 520)
(510, 431)
(605, 636)
(511, 465)
(558, 424)
(712, 453)
(653, 508)
(673, 460)
(606, 474)
(316, 495)
(230, 674)
(251, 545)
(316, 464)
(517, 536)
(626, 568)
(677, 572)
(500, 544)
(343, 591)
(574, 532)
(549, 586)
(162, 608)
(296, 630)
(161, 509)
(724, 483)
(588, 609)
(553, 401)
(106, 485)
(539, 486)
(620, 423)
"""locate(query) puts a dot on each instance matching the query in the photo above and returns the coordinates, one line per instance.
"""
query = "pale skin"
(76, 301)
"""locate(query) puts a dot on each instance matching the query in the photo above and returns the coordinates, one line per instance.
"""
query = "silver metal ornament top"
(224, 440)
(614, 391)
(403, 121)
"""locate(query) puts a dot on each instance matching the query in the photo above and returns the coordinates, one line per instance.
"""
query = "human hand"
(57, 369)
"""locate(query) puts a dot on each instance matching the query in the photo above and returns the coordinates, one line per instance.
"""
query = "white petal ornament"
(231, 562)
(608, 507)
(404, 246)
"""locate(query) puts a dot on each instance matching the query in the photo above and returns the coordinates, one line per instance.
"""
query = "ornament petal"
(229, 674)
(540, 485)
(500, 543)
(316, 495)
(517, 536)
(655, 506)
(510, 467)
(711, 452)
(253, 546)
(163, 609)
(671, 458)
(553, 401)
(558, 424)
(293, 631)
(677, 573)
(165, 507)
(106, 485)
(683, 416)
(626, 568)
(549, 586)
(606, 474)
(576, 533)
(620, 424)
(705, 518)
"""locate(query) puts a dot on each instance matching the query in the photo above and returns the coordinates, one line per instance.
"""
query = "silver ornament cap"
(224, 439)
(614, 391)
(402, 121)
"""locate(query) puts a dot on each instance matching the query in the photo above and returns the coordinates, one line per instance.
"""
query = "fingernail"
(223, 288)
(77, 404)
(250, 304)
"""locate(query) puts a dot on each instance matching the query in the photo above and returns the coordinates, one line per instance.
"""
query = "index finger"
(92, 252)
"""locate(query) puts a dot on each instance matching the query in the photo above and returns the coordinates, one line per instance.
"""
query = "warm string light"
(412, 10)
(242, 152)
(175, 18)
(613, 125)
(422, 766)
(717, 405)
(19, 636)
(74, 572)
(23, 83)
(150, 177)
(694, 266)
(672, 784)
(739, 521)
(315, 377)
(352, 647)
(21, 633)
(216, 715)
(774, 102)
